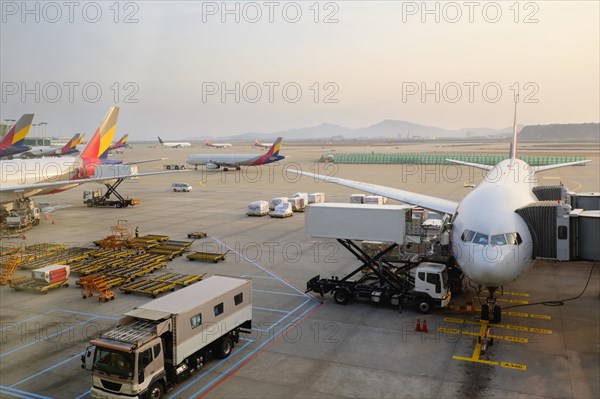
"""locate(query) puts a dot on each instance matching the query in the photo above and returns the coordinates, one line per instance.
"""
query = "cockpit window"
(481, 239)
(467, 236)
(513, 239)
(498, 239)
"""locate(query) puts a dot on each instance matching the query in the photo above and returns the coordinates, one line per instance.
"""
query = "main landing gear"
(490, 305)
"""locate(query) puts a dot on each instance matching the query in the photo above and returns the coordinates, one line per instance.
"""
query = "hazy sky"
(285, 65)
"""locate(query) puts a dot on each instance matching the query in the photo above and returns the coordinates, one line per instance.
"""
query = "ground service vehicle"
(95, 198)
(426, 289)
(159, 344)
(181, 187)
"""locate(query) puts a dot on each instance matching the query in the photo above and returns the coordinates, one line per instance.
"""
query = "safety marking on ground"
(17, 393)
(505, 326)
(519, 301)
(540, 316)
(483, 331)
(453, 320)
(540, 330)
(510, 293)
(514, 366)
(517, 314)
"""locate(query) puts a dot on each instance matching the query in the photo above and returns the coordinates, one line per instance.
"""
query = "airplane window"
(470, 236)
(498, 239)
(513, 239)
(481, 239)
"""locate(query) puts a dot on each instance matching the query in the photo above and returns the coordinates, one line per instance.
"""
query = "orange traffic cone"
(418, 328)
(424, 329)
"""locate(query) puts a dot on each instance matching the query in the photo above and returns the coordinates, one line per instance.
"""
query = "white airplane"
(261, 145)
(173, 144)
(217, 145)
(49, 151)
(491, 243)
(24, 178)
(215, 161)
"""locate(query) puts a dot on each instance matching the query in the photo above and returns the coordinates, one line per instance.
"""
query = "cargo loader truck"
(159, 344)
(410, 279)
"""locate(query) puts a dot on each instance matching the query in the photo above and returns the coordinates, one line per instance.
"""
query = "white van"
(181, 187)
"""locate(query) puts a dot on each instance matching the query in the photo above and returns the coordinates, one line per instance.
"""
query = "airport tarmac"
(299, 347)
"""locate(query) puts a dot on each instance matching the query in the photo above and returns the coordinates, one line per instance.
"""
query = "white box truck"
(159, 344)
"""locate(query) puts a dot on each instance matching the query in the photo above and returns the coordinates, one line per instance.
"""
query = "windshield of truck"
(114, 363)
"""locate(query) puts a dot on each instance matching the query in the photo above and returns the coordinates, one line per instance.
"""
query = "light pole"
(43, 124)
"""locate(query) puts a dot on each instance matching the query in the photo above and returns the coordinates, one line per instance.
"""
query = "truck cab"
(431, 281)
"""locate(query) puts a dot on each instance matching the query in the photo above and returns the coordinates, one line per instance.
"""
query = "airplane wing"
(475, 165)
(426, 201)
(558, 165)
(5, 188)
(146, 161)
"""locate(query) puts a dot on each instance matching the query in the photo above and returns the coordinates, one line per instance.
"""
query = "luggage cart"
(213, 257)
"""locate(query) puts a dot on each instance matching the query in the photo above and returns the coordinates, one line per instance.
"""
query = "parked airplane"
(120, 143)
(491, 243)
(25, 178)
(49, 151)
(12, 143)
(173, 144)
(262, 145)
(215, 161)
(217, 145)
(71, 146)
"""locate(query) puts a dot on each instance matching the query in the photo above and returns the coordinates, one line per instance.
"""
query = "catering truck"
(159, 344)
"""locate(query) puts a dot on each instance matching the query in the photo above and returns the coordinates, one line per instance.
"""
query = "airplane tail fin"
(206, 142)
(256, 142)
(274, 150)
(71, 144)
(512, 153)
(100, 141)
(119, 143)
(160, 140)
(17, 132)
(81, 138)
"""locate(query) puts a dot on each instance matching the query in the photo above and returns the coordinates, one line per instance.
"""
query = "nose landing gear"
(490, 304)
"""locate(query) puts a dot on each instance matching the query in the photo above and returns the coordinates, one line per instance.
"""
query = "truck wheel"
(176, 167)
(119, 205)
(89, 204)
(155, 391)
(168, 167)
(225, 347)
(424, 306)
(341, 296)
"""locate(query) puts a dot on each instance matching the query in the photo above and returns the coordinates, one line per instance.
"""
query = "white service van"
(181, 187)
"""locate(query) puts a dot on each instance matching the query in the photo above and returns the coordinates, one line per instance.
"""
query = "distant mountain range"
(395, 130)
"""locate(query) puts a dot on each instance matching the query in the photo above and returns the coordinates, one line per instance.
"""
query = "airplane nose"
(491, 265)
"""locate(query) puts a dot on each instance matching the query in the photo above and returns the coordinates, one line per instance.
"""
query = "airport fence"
(440, 159)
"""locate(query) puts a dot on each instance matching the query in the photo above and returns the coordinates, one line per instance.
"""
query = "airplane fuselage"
(490, 242)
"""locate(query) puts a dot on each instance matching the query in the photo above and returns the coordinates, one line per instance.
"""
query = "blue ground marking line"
(280, 293)
(253, 276)
(46, 337)
(47, 369)
(21, 394)
(264, 269)
(270, 310)
(186, 386)
(217, 379)
(83, 394)
(283, 318)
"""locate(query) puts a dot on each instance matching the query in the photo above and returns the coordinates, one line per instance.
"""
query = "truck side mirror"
(86, 358)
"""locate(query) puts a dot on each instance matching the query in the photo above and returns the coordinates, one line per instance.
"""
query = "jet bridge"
(562, 233)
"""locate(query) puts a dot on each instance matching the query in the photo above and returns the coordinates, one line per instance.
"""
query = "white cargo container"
(357, 221)
(357, 198)
(282, 210)
(301, 195)
(258, 208)
(51, 274)
(276, 201)
(316, 198)
(374, 199)
(298, 204)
